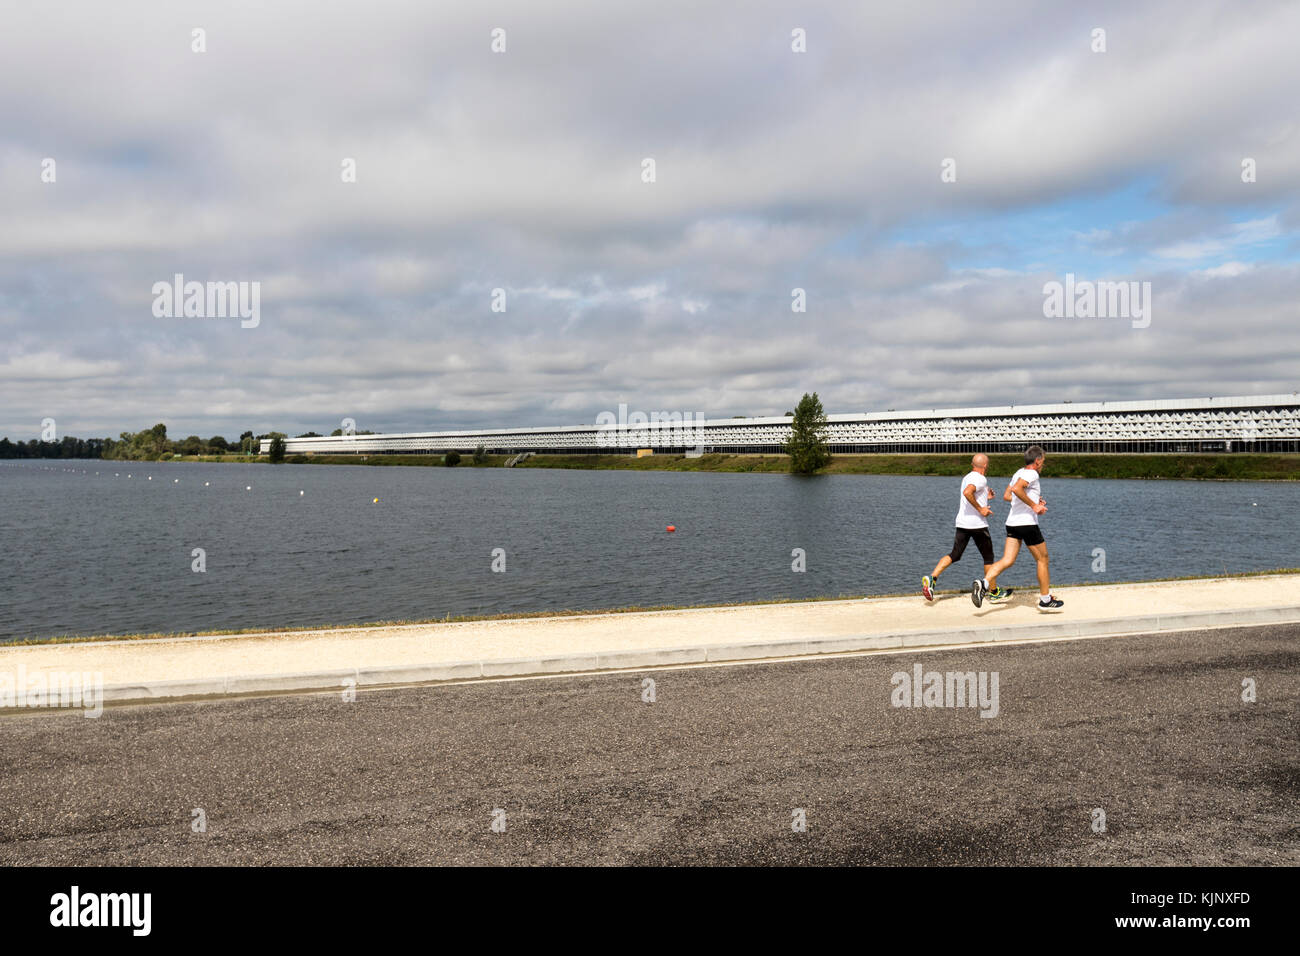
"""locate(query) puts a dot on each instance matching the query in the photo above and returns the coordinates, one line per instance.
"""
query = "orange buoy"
(671, 528)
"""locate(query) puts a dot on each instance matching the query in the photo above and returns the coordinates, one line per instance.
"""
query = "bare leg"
(1008, 558)
(943, 564)
(1039, 551)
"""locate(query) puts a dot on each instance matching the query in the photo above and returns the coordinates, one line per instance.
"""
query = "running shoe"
(1051, 603)
(927, 587)
(1000, 593)
(978, 590)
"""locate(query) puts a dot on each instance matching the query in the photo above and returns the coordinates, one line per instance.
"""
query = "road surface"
(1150, 730)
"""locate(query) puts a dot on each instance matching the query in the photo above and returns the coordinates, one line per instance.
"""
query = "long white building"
(1240, 424)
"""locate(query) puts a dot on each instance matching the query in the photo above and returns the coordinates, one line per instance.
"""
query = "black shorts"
(982, 541)
(1030, 534)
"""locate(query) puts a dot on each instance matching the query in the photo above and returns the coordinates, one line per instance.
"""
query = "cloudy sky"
(522, 170)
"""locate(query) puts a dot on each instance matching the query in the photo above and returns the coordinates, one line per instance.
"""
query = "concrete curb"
(585, 615)
(699, 654)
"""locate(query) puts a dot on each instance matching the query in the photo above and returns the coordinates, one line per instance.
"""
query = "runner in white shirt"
(972, 525)
(1027, 503)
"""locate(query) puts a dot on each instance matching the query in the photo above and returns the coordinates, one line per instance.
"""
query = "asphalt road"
(1151, 730)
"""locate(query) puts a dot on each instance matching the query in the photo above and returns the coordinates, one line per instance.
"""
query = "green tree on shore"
(807, 445)
(277, 449)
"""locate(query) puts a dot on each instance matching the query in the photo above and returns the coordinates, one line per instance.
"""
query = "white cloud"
(1229, 270)
(1238, 236)
(521, 171)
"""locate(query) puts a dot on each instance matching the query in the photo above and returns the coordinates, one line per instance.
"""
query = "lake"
(85, 549)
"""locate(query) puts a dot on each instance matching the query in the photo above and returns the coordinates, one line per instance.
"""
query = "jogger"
(1027, 503)
(972, 525)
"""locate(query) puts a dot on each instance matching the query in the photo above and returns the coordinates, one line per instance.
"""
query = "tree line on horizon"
(151, 444)
(807, 445)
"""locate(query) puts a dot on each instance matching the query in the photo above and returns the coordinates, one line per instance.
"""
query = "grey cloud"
(521, 171)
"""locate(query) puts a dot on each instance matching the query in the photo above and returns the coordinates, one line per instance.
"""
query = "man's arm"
(1018, 489)
(969, 494)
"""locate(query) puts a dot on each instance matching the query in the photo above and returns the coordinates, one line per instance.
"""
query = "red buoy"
(671, 528)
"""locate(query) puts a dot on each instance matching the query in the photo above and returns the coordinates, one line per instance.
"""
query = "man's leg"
(944, 563)
(981, 587)
(984, 541)
(931, 581)
(1008, 558)
(1039, 551)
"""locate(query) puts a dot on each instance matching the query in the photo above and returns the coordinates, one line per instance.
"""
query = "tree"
(451, 459)
(157, 440)
(148, 445)
(217, 443)
(807, 445)
(480, 455)
(277, 449)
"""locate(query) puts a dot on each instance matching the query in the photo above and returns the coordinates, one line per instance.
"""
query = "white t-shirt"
(968, 517)
(1021, 513)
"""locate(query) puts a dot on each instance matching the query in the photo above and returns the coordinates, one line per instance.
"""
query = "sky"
(920, 171)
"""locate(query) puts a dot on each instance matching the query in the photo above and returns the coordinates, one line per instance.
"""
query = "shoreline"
(163, 636)
(350, 659)
(1154, 466)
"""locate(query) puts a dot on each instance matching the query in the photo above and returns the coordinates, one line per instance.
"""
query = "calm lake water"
(86, 550)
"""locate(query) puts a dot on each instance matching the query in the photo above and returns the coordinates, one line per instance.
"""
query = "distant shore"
(1193, 467)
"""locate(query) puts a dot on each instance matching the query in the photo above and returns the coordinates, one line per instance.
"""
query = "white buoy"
(300, 492)
(206, 483)
(248, 487)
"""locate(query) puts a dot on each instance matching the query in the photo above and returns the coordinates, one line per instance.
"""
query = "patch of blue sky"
(131, 156)
(1118, 232)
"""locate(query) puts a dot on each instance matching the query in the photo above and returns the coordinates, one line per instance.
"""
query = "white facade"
(1253, 423)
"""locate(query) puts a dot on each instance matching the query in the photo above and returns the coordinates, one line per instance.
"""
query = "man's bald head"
(979, 462)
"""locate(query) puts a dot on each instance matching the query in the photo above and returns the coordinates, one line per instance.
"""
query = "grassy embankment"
(1223, 467)
(1204, 466)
